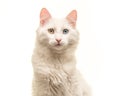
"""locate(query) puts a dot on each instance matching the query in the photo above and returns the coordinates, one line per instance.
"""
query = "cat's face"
(57, 34)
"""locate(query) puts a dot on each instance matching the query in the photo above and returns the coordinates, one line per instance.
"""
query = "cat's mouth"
(58, 45)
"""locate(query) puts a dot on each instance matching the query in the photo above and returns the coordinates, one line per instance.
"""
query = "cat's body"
(54, 63)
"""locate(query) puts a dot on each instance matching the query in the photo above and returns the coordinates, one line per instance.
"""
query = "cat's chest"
(56, 76)
(59, 82)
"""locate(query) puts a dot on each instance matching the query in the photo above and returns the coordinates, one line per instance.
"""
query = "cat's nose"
(58, 40)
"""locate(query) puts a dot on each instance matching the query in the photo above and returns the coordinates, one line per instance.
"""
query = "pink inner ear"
(72, 17)
(44, 16)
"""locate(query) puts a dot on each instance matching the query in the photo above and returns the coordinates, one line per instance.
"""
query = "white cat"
(54, 63)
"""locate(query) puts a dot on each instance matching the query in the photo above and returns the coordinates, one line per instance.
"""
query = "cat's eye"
(51, 30)
(65, 31)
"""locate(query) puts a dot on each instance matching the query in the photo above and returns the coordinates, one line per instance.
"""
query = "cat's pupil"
(65, 31)
(51, 30)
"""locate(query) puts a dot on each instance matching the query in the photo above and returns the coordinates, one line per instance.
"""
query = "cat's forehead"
(57, 23)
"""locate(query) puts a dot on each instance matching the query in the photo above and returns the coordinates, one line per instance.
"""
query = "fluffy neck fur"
(55, 59)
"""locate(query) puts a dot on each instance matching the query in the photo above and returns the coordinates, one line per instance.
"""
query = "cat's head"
(57, 34)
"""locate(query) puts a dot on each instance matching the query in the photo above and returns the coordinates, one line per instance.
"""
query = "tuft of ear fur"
(72, 17)
(44, 16)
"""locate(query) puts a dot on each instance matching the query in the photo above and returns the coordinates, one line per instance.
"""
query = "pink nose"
(58, 40)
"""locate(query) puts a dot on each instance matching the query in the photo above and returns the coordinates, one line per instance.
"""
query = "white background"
(98, 54)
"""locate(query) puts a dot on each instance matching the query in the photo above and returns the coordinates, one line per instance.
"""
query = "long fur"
(55, 72)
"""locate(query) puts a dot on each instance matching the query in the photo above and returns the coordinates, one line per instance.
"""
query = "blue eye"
(65, 31)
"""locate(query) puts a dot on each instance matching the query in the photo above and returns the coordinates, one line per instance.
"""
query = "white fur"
(54, 67)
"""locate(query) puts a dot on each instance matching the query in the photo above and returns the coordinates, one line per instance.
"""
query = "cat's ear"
(44, 16)
(72, 17)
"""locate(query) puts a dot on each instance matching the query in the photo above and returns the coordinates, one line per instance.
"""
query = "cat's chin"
(58, 47)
